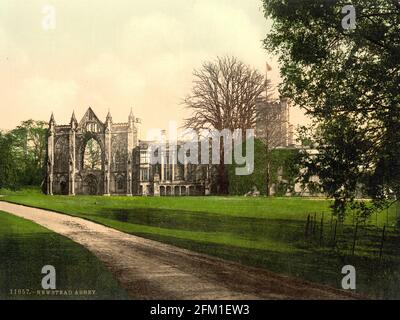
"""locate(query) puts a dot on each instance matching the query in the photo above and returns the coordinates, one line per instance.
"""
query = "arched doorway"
(199, 190)
(191, 191)
(183, 191)
(91, 185)
(63, 186)
(162, 191)
(120, 184)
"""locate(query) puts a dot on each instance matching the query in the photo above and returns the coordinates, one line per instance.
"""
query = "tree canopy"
(224, 95)
(23, 155)
(348, 81)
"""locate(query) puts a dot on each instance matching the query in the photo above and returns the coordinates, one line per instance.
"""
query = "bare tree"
(224, 96)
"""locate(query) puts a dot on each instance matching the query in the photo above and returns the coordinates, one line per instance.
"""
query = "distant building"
(168, 178)
(273, 122)
(106, 158)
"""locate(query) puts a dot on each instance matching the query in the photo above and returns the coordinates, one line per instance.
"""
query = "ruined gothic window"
(120, 160)
(61, 155)
(120, 182)
(92, 155)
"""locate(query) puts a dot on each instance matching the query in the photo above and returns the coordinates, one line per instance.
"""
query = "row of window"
(92, 127)
(191, 174)
(145, 156)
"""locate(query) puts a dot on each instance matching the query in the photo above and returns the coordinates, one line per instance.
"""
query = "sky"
(66, 55)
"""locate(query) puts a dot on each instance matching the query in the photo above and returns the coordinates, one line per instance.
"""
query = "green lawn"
(26, 247)
(262, 232)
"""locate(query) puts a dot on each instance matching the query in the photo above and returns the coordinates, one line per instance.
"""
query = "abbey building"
(92, 157)
(106, 158)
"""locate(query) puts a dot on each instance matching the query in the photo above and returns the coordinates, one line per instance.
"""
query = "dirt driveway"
(152, 270)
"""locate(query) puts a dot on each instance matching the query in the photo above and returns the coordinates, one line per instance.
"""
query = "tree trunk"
(267, 171)
(267, 180)
(222, 171)
(222, 179)
(397, 204)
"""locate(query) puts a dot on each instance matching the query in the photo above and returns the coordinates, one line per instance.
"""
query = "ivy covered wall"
(284, 170)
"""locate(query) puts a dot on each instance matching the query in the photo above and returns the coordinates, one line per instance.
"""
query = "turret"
(131, 119)
(52, 119)
(109, 118)
(73, 122)
(52, 123)
(107, 154)
(50, 154)
(108, 121)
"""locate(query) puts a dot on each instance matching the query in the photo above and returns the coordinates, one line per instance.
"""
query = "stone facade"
(273, 120)
(168, 178)
(96, 158)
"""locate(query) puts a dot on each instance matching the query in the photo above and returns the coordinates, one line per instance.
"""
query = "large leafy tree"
(29, 150)
(9, 172)
(349, 82)
(22, 154)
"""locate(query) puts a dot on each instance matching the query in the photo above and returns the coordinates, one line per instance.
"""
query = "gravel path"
(151, 270)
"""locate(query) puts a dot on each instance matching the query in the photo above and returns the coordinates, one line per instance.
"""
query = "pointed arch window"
(92, 156)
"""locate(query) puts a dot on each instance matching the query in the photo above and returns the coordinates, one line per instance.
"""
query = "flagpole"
(268, 68)
(266, 81)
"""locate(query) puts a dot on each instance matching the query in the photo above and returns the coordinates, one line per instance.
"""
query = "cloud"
(109, 73)
(38, 95)
(2, 40)
(152, 34)
(166, 44)
(205, 27)
(134, 53)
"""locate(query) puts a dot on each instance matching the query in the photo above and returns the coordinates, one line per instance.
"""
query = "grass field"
(262, 232)
(26, 247)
